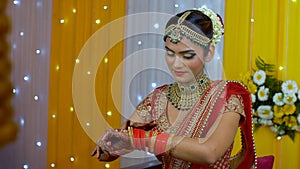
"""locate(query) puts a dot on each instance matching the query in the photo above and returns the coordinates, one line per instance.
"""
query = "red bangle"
(142, 140)
(161, 143)
(137, 143)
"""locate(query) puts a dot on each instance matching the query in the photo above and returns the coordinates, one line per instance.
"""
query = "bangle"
(130, 133)
(169, 144)
(137, 139)
(142, 139)
(161, 143)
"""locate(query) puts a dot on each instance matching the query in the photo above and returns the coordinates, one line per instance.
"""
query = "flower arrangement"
(275, 103)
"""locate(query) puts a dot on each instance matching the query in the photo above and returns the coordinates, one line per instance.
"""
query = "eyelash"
(190, 55)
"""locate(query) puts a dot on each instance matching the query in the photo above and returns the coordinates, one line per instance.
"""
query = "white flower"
(277, 130)
(298, 118)
(263, 93)
(266, 122)
(253, 98)
(278, 99)
(259, 77)
(289, 98)
(218, 29)
(265, 112)
(289, 87)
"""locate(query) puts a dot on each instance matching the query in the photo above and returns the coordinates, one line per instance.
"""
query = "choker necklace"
(183, 97)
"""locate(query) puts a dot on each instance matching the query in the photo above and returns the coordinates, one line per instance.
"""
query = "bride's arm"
(213, 148)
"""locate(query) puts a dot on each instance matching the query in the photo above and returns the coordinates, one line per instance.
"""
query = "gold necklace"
(183, 97)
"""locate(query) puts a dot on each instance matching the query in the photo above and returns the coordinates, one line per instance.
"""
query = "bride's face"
(185, 60)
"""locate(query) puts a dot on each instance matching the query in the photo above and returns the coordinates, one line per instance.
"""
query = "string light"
(39, 144)
(72, 159)
(107, 165)
(176, 5)
(294, 0)
(77, 60)
(21, 33)
(105, 7)
(71, 109)
(281, 68)
(62, 21)
(140, 98)
(53, 116)
(88, 124)
(25, 166)
(22, 121)
(278, 137)
(38, 51)
(98, 21)
(36, 97)
(139, 42)
(57, 68)
(252, 20)
(105, 60)
(52, 165)
(74, 10)
(89, 72)
(39, 4)
(16, 2)
(26, 78)
(109, 113)
(154, 85)
(156, 25)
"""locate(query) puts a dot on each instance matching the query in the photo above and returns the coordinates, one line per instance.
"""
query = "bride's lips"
(179, 73)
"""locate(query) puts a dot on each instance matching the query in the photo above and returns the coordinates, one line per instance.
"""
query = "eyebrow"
(181, 52)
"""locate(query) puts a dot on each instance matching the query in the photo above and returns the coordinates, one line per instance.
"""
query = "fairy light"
(53, 116)
(36, 98)
(38, 51)
(252, 20)
(72, 159)
(57, 68)
(74, 10)
(153, 85)
(26, 78)
(39, 144)
(25, 166)
(139, 42)
(77, 61)
(62, 21)
(278, 137)
(107, 165)
(281, 68)
(16, 2)
(21, 33)
(139, 98)
(105, 7)
(52, 165)
(105, 60)
(156, 25)
(22, 121)
(176, 5)
(98, 21)
(71, 109)
(88, 124)
(88, 72)
(109, 113)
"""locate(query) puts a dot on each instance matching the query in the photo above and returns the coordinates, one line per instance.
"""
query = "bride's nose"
(178, 62)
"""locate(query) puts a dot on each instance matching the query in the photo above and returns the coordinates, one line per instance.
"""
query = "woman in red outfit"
(192, 122)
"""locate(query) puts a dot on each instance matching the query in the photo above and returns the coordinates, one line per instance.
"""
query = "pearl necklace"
(183, 97)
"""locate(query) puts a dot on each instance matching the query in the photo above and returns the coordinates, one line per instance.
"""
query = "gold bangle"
(152, 142)
(130, 133)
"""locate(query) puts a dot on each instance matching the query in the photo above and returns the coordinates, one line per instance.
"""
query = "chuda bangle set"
(151, 141)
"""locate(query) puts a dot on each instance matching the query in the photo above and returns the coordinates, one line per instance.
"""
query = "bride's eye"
(189, 55)
(170, 53)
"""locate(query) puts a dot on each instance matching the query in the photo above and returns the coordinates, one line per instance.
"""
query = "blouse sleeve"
(144, 109)
(235, 104)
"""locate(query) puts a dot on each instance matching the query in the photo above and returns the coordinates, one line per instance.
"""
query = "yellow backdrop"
(273, 34)
(73, 23)
(269, 29)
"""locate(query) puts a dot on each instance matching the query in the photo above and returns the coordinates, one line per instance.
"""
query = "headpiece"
(176, 32)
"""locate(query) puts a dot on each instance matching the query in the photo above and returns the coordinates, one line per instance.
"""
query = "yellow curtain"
(73, 23)
(269, 29)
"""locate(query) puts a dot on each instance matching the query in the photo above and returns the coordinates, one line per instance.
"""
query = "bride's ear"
(210, 53)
